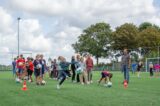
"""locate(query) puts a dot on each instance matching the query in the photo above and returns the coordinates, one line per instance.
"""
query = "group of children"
(79, 69)
(24, 68)
(152, 68)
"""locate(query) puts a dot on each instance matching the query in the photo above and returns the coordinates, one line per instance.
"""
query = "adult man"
(126, 61)
(89, 66)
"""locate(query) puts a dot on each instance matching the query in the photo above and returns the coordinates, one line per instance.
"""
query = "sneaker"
(29, 80)
(58, 87)
(20, 81)
(82, 83)
(91, 82)
(37, 83)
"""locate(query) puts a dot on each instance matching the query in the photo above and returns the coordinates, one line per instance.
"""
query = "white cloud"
(51, 26)
(5, 21)
(82, 13)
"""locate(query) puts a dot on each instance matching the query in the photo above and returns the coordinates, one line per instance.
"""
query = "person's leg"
(138, 73)
(37, 76)
(150, 72)
(91, 75)
(73, 75)
(102, 77)
(43, 70)
(124, 70)
(100, 80)
(59, 74)
(85, 77)
(13, 70)
(31, 76)
(20, 73)
(78, 78)
(105, 80)
(49, 72)
(63, 79)
(56, 74)
(81, 78)
(133, 70)
(28, 74)
(127, 73)
(53, 73)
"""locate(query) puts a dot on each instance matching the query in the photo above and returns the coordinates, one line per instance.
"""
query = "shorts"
(103, 75)
(37, 72)
(19, 70)
(138, 69)
(30, 72)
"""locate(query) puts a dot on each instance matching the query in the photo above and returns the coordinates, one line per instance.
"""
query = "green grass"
(142, 91)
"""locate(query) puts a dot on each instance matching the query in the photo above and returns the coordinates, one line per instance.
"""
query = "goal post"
(155, 60)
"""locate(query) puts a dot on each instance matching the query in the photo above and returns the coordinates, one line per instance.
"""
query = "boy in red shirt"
(105, 75)
(31, 69)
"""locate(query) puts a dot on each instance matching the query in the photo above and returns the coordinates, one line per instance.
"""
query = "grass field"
(142, 91)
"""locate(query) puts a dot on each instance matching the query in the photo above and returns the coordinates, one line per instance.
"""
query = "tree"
(125, 36)
(145, 25)
(94, 40)
(149, 40)
(149, 37)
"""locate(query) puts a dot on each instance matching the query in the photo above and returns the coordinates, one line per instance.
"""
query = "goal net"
(155, 61)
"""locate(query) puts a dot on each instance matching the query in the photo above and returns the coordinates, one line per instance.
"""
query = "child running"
(62, 75)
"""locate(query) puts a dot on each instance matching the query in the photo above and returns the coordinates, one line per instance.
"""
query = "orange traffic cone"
(24, 86)
(125, 84)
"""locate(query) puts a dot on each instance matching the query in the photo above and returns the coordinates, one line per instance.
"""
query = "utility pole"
(18, 19)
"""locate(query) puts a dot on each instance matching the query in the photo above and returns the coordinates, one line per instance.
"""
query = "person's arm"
(86, 62)
(129, 63)
(92, 64)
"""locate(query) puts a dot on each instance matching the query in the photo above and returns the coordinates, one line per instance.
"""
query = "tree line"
(101, 41)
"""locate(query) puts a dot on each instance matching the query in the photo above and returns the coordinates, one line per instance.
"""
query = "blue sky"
(51, 26)
(157, 3)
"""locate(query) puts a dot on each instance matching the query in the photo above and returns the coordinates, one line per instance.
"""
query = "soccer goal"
(155, 60)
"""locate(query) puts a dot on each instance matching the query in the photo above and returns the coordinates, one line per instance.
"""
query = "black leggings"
(73, 75)
(62, 78)
(78, 80)
(151, 71)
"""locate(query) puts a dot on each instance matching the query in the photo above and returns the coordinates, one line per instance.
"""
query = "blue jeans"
(126, 72)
